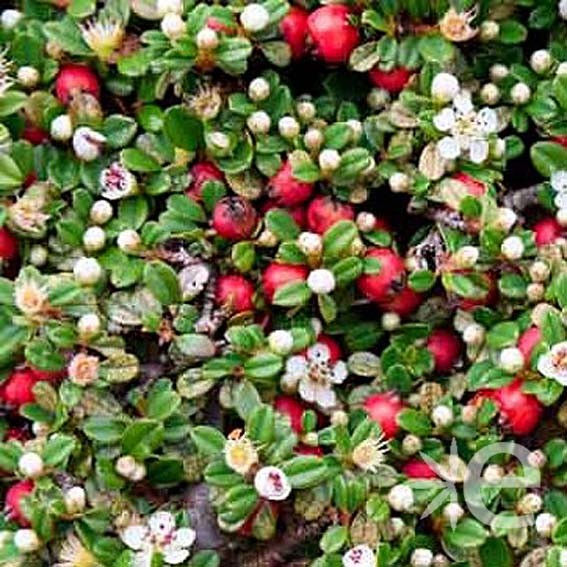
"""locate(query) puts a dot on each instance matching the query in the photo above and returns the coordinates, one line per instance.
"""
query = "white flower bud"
(442, 416)
(535, 292)
(164, 7)
(126, 466)
(453, 512)
(321, 281)
(280, 342)
(89, 325)
(399, 182)
(493, 474)
(10, 18)
(365, 221)
(289, 127)
(61, 128)
(377, 98)
(207, 39)
(562, 7)
(172, 26)
(440, 560)
(75, 500)
(311, 439)
(271, 483)
(26, 541)
(254, 18)
(561, 69)
(561, 216)
(87, 271)
(537, 459)
(310, 243)
(530, 503)
(498, 72)
(87, 143)
(505, 219)
(139, 473)
(397, 525)
(259, 122)
(38, 255)
(329, 160)
(31, 465)
(520, 93)
(101, 212)
(390, 321)
(356, 127)
(512, 248)
(541, 61)
(511, 360)
(317, 326)
(313, 139)
(490, 94)
(489, 30)
(339, 417)
(411, 444)
(129, 240)
(28, 76)
(40, 429)
(444, 87)
(466, 256)
(259, 89)
(94, 238)
(474, 334)
(306, 110)
(539, 271)
(545, 524)
(421, 557)
(401, 498)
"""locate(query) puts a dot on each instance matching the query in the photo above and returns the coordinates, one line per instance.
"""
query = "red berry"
(335, 351)
(333, 36)
(292, 409)
(393, 81)
(445, 347)
(384, 410)
(48, 375)
(286, 190)
(235, 293)
(201, 173)
(298, 214)
(302, 449)
(8, 244)
(17, 390)
(277, 275)
(468, 304)
(34, 135)
(475, 187)
(403, 303)
(528, 340)
(234, 218)
(76, 79)
(380, 286)
(294, 30)
(562, 140)
(418, 469)
(16, 434)
(324, 212)
(547, 231)
(218, 26)
(13, 501)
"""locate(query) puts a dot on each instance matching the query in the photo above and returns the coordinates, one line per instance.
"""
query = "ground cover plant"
(283, 283)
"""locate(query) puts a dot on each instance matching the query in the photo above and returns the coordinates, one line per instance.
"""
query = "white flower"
(87, 271)
(444, 87)
(159, 536)
(456, 26)
(359, 556)
(489, 30)
(75, 499)
(365, 221)
(369, 454)
(321, 281)
(74, 554)
(259, 89)
(280, 342)
(390, 321)
(83, 369)
(401, 497)
(26, 541)
(31, 465)
(30, 296)
(554, 363)
(128, 240)
(306, 110)
(87, 143)
(421, 557)
(453, 512)
(329, 160)
(240, 454)
(88, 325)
(117, 182)
(172, 26)
(498, 72)
(467, 129)
(289, 127)
(254, 18)
(272, 483)
(61, 128)
(558, 182)
(511, 360)
(314, 374)
(207, 39)
(101, 212)
(10, 18)
(259, 122)
(94, 238)
(512, 248)
(103, 36)
(505, 218)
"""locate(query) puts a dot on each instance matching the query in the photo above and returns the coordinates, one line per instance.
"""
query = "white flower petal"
(444, 120)
(183, 537)
(325, 396)
(559, 181)
(134, 537)
(448, 148)
(478, 151)
(143, 559)
(174, 556)
(340, 372)
(463, 102)
(272, 483)
(307, 390)
(359, 556)
(319, 352)
(161, 524)
(296, 366)
(487, 121)
(560, 200)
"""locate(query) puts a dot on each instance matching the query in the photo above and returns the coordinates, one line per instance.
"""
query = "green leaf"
(503, 335)
(305, 472)
(467, 534)
(435, 48)
(261, 423)
(141, 438)
(496, 552)
(511, 32)
(415, 422)
(10, 175)
(339, 238)
(209, 441)
(292, 294)
(162, 403)
(281, 224)
(184, 131)
(11, 102)
(162, 281)
(137, 160)
(552, 327)
(421, 280)
(58, 449)
(548, 157)
(263, 367)
(119, 130)
(347, 270)
(333, 539)
(204, 558)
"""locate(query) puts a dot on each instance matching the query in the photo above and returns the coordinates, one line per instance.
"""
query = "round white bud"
(535, 292)
(219, 141)
(126, 466)
(453, 512)
(321, 281)
(94, 238)
(520, 93)
(313, 139)
(489, 30)
(530, 503)
(280, 342)
(466, 256)
(442, 416)
(421, 557)
(490, 94)
(306, 110)
(541, 61)
(537, 459)
(365, 221)
(289, 127)
(101, 212)
(139, 473)
(254, 18)
(89, 325)
(440, 560)
(61, 128)
(545, 524)
(26, 541)
(129, 240)
(400, 498)
(493, 474)
(512, 248)
(310, 243)
(444, 87)
(498, 72)
(172, 26)
(474, 334)
(10, 18)
(329, 160)
(539, 271)
(511, 360)
(339, 418)
(164, 7)
(390, 321)
(356, 127)
(31, 465)
(87, 271)
(28, 76)
(75, 500)
(259, 89)
(87, 143)
(561, 68)
(399, 182)
(38, 255)
(411, 444)
(259, 122)
(505, 219)
(377, 98)
(40, 429)
(207, 39)
(561, 216)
